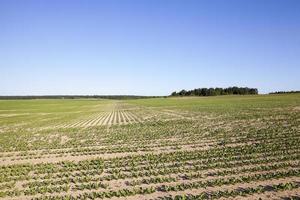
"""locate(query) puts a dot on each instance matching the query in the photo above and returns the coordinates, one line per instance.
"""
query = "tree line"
(285, 92)
(117, 97)
(217, 91)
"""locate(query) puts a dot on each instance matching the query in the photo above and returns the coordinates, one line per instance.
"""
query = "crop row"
(90, 179)
(235, 193)
(95, 166)
(181, 187)
(166, 188)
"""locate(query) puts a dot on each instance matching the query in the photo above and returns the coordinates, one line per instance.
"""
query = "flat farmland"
(225, 147)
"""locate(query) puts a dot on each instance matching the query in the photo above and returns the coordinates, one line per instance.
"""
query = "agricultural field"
(225, 147)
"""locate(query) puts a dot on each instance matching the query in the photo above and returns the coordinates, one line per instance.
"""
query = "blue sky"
(147, 47)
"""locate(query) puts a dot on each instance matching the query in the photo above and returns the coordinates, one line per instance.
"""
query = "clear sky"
(147, 47)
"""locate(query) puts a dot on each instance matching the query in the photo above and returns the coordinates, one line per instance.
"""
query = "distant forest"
(285, 92)
(217, 91)
(119, 97)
